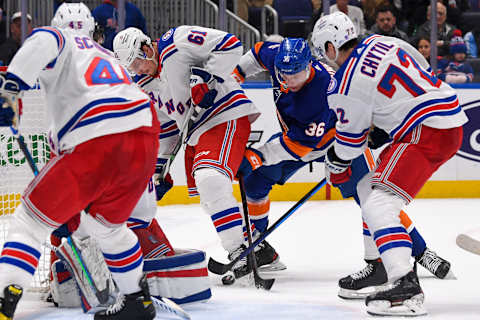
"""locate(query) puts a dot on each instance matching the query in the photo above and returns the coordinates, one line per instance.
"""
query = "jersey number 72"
(395, 73)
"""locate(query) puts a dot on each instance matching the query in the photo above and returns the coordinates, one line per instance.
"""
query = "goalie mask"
(74, 16)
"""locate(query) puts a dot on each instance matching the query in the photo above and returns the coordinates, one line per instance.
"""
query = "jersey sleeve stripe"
(56, 33)
(434, 107)
(228, 42)
(256, 53)
(229, 101)
(296, 149)
(353, 140)
(368, 155)
(326, 139)
(101, 109)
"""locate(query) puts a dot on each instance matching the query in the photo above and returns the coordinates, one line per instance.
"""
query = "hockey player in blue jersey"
(299, 87)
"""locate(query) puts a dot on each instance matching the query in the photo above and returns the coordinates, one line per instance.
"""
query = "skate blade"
(468, 243)
(409, 308)
(272, 267)
(362, 293)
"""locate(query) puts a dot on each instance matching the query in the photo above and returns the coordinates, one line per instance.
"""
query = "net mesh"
(15, 174)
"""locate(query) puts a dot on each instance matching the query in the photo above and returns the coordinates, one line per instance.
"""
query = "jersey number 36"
(315, 129)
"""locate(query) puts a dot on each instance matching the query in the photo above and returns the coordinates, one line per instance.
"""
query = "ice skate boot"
(433, 263)
(241, 268)
(267, 258)
(8, 304)
(135, 306)
(360, 284)
(405, 298)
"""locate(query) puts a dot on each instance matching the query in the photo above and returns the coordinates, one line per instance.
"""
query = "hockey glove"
(252, 160)
(202, 84)
(162, 186)
(377, 137)
(337, 171)
(9, 93)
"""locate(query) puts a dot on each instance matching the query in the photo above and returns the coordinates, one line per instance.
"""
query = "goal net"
(15, 174)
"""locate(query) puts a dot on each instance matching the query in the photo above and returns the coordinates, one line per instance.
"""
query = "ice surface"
(319, 243)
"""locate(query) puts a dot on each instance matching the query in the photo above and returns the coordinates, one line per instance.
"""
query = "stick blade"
(217, 267)
(469, 243)
(265, 284)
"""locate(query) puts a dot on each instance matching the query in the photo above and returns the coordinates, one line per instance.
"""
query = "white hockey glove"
(202, 87)
(337, 170)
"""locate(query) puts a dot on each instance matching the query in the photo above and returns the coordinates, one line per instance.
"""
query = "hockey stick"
(187, 124)
(259, 281)
(221, 268)
(23, 147)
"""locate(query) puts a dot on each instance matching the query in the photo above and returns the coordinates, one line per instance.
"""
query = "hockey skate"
(435, 264)
(267, 258)
(8, 304)
(241, 268)
(405, 298)
(367, 281)
(135, 306)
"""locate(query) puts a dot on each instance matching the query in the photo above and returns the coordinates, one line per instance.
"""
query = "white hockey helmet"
(75, 16)
(127, 45)
(336, 28)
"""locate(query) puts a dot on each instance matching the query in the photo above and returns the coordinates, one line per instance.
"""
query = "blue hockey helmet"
(293, 56)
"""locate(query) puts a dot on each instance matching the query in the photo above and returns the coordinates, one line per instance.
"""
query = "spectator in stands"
(106, 15)
(369, 11)
(386, 23)
(354, 13)
(472, 41)
(423, 46)
(12, 44)
(456, 70)
(445, 30)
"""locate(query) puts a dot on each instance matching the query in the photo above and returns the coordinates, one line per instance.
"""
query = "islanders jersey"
(387, 83)
(218, 52)
(88, 94)
(307, 122)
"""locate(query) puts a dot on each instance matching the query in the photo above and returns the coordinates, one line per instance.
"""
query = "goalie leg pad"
(182, 278)
(63, 287)
(91, 273)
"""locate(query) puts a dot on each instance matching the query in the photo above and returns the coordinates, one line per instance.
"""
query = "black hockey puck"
(228, 280)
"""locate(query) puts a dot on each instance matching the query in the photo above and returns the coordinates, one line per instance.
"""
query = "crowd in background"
(457, 44)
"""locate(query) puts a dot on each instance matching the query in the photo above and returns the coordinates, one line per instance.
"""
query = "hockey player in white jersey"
(191, 66)
(385, 82)
(104, 133)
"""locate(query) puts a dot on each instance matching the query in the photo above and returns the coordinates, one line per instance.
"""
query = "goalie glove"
(202, 87)
(9, 100)
(337, 171)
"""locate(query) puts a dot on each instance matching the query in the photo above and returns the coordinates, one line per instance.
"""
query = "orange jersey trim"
(326, 137)
(296, 147)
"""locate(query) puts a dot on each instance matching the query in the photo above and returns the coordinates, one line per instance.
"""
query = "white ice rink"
(319, 243)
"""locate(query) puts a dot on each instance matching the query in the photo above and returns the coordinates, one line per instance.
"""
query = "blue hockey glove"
(162, 186)
(252, 160)
(9, 93)
(202, 85)
(337, 171)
